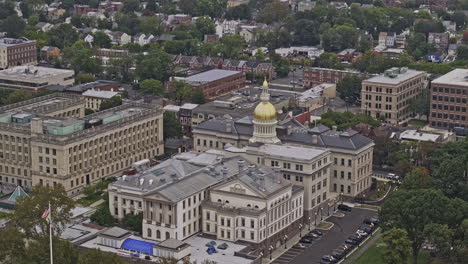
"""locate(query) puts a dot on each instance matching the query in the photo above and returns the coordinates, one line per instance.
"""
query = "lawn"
(379, 191)
(418, 123)
(374, 255)
(90, 199)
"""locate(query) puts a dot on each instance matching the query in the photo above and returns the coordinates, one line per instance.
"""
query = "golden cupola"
(265, 110)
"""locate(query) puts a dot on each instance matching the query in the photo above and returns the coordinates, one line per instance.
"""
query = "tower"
(264, 119)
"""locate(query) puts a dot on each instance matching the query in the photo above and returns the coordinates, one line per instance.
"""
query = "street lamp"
(315, 219)
(271, 249)
(341, 197)
(285, 239)
(334, 205)
(300, 230)
(321, 214)
(328, 211)
(309, 223)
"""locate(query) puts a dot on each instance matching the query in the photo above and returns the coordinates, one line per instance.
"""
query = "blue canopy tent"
(138, 246)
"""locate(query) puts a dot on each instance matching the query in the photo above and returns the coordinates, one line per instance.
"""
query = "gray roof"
(116, 232)
(401, 77)
(209, 76)
(455, 77)
(172, 243)
(326, 137)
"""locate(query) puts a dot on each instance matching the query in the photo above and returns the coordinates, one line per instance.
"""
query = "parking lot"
(331, 239)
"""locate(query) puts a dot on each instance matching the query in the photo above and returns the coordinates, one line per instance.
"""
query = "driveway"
(342, 229)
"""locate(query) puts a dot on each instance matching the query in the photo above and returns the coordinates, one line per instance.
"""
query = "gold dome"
(265, 84)
(265, 111)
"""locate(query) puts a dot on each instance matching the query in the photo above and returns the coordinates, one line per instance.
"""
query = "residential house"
(439, 40)
(347, 54)
(48, 53)
(111, 6)
(119, 38)
(307, 51)
(55, 13)
(142, 39)
(304, 5)
(450, 26)
(387, 39)
(44, 27)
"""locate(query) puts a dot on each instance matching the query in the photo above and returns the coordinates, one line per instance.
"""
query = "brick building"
(215, 83)
(449, 98)
(315, 76)
(15, 52)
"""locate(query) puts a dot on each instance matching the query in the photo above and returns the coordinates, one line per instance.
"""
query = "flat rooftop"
(299, 153)
(457, 77)
(33, 74)
(209, 76)
(10, 42)
(314, 92)
(34, 106)
(401, 77)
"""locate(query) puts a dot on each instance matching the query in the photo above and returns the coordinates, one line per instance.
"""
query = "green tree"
(329, 60)
(7, 9)
(397, 246)
(131, 5)
(205, 26)
(152, 6)
(417, 178)
(98, 256)
(102, 216)
(84, 78)
(13, 26)
(232, 46)
(180, 91)
(102, 40)
(64, 251)
(155, 65)
(349, 88)
(63, 36)
(110, 103)
(17, 96)
(242, 12)
(440, 236)
(211, 8)
(151, 86)
(421, 104)
(13, 249)
(133, 222)
(306, 32)
(152, 25)
(274, 11)
(27, 215)
(198, 97)
(462, 52)
(340, 37)
(171, 126)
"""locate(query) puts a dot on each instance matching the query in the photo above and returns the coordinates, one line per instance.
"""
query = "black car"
(306, 240)
(358, 239)
(311, 234)
(344, 207)
(375, 220)
(352, 242)
(317, 232)
(366, 229)
(147, 257)
(367, 222)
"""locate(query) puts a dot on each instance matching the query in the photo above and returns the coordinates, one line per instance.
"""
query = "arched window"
(149, 232)
(168, 235)
(227, 201)
(219, 200)
(256, 206)
(249, 205)
(158, 234)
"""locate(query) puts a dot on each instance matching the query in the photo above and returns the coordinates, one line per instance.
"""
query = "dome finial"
(265, 83)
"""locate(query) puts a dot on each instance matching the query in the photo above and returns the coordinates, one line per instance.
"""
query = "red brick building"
(315, 76)
(449, 100)
(215, 83)
(16, 52)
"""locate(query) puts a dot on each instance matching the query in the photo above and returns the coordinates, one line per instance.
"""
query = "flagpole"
(50, 235)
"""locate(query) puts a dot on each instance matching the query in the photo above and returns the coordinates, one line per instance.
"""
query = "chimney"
(224, 170)
(314, 139)
(261, 181)
(334, 128)
(278, 174)
(241, 164)
(36, 126)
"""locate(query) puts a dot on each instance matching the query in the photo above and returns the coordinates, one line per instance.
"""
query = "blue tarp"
(138, 246)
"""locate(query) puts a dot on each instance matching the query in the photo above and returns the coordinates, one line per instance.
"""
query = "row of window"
(319, 199)
(449, 107)
(449, 116)
(449, 90)
(449, 99)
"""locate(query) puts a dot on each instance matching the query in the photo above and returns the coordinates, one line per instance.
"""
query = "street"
(331, 239)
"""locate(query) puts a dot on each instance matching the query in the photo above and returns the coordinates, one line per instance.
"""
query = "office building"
(48, 141)
(315, 76)
(388, 96)
(34, 79)
(449, 96)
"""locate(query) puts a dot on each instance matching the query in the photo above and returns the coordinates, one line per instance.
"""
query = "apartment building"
(388, 95)
(95, 98)
(15, 52)
(34, 79)
(215, 83)
(49, 141)
(227, 197)
(449, 97)
(315, 76)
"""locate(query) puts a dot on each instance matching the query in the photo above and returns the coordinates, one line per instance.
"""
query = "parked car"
(300, 246)
(358, 239)
(147, 257)
(306, 240)
(317, 232)
(338, 254)
(361, 233)
(211, 243)
(222, 246)
(352, 242)
(346, 248)
(329, 258)
(312, 234)
(344, 207)
(366, 229)
(375, 220)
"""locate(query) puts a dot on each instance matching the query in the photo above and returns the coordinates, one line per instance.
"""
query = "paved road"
(343, 228)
